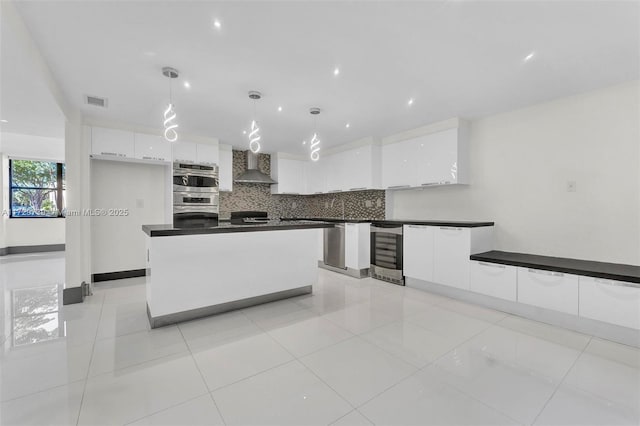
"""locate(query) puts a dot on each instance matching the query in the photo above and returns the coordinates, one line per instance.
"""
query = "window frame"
(59, 189)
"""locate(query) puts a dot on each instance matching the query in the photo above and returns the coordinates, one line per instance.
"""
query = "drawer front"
(417, 243)
(610, 301)
(550, 290)
(494, 280)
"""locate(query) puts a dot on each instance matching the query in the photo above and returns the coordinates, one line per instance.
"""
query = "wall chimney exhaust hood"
(252, 174)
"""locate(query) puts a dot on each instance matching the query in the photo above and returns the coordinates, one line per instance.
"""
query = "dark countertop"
(458, 224)
(227, 227)
(610, 271)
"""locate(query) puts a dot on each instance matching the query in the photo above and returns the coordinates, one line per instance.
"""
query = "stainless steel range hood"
(252, 174)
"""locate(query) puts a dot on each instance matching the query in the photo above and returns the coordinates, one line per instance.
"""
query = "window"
(36, 188)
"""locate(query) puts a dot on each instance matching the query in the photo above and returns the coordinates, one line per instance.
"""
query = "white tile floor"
(355, 352)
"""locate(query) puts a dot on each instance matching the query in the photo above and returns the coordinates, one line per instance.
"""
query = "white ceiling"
(25, 100)
(455, 58)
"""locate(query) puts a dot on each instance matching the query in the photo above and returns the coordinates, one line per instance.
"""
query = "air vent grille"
(96, 101)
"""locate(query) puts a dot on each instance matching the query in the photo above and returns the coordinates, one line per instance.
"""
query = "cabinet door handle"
(109, 153)
(417, 226)
(335, 190)
(616, 283)
(543, 272)
(450, 228)
(429, 184)
(358, 189)
(493, 265)
(399, 186)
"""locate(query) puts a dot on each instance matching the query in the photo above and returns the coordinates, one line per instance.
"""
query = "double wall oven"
(195, 195)
(386, 252)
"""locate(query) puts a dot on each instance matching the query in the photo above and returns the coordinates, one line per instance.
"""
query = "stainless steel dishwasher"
(334, 246)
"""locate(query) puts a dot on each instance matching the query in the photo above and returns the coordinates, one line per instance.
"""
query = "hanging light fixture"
(254, 133)
(314, 144)
(170, 126)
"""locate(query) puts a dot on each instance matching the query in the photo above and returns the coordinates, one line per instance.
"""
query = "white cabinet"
(112, 142)
(438, 157)
(418, 253)
(151, 147)
(397, 165)
(610, 301)
(226, 168)
(316, 181)
(289, 173)
(551, 290)
(335, 168)
(451, 256)
(357, 242)
(207, 154)
(494, 280)
(185, 152)
(361, 168)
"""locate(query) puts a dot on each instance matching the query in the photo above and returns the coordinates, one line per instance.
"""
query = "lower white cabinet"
(357, 245)
(417, 251)
(610, 301)
(494, 280)
(551, 290)
(451, 256)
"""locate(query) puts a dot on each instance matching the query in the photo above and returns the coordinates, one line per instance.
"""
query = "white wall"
(117, 243)
(27, 232)
(521, 162)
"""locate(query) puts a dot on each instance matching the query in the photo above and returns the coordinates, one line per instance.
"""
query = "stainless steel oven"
(195, 177)
(386, 253)
(195, 195)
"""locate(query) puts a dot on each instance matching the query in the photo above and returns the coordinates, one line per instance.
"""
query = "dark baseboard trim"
(119, 275)
(163, 320)
(31, 249)
(72, 295)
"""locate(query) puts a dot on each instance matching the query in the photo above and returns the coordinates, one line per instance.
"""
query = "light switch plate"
(368, 203)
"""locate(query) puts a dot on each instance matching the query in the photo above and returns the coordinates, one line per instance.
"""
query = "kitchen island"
(196, 272)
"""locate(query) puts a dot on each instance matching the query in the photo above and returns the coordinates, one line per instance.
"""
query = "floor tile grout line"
(195, 362)
(561, 381)
(295, 358)
(165, 409)
(41, 391)
(93, 348)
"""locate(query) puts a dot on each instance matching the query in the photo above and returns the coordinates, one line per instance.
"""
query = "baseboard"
(355, 273)
(118, 275)
(164, 320)
(43, 248)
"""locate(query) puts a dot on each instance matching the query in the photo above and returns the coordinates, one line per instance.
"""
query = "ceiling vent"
(95, 101)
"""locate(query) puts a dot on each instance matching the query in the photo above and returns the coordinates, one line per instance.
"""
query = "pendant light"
(170, 133)
(314, 145)
(254, 133)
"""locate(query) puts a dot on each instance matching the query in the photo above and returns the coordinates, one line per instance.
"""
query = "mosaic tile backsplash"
(368, 204)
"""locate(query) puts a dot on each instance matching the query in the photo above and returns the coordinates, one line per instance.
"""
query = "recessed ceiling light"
(529, 56)
(304, 142)
(187, 85)
(410, 101)
(4, 121)
(150, 53)
(347, 125)
(336, 71)
(279, 108)
(217, 24)
(244, 132)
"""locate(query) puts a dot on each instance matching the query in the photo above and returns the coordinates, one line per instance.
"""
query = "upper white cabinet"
(316, 181)
(207, 154)
(226, 168)
(356, 168)
(151, 147)
(417, 251)
(112, 142)
(437, 157)
(289, 173)
(185, 152)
